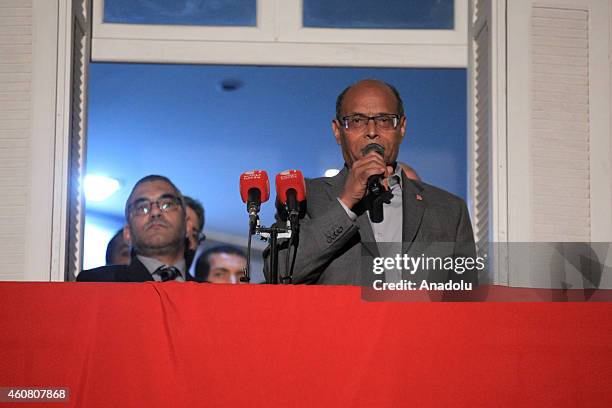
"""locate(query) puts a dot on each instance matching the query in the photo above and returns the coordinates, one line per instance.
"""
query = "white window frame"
(274, 40)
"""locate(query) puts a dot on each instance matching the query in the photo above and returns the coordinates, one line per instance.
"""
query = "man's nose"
(371, 131)
(155, 210)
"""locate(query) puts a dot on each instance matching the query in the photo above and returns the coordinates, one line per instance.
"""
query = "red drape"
(186, 345)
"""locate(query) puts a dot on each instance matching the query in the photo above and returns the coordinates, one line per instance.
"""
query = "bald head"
(368, 84)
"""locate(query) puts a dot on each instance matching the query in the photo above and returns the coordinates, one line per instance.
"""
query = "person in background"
(221, 264)
(194, 222)
(194, 225)
(155, 229)
(117, 250)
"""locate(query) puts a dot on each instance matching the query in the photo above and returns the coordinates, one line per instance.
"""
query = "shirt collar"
(396, 177)
(153, 264)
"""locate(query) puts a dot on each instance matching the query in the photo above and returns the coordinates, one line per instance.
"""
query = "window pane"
(181, 12)
(203, 125)
(399, 14)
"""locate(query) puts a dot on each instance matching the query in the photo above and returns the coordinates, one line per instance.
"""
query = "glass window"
(203, 125)
(182, 12)
(398, 14)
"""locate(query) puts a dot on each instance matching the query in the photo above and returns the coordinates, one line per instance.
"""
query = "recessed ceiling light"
(230, 85)
(98, 187)
(331, 172)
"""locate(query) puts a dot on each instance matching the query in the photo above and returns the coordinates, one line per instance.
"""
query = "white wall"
(554, 151)
(28, 75)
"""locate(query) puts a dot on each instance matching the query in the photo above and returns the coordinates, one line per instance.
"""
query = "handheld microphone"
(374, 185)
(290, 191)
(254, 190)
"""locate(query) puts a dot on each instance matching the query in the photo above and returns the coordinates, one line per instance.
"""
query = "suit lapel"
(137, 272)
(367, 234)
(413, 208)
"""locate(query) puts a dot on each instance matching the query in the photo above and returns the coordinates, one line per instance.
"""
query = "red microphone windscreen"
(288, 179)
(254, 179)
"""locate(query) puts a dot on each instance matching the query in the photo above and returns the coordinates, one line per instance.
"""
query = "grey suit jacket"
(332, 247)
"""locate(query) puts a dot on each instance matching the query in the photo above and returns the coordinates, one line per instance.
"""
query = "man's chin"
(159, 246)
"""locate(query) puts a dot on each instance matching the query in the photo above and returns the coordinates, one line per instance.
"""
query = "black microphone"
(374, 182)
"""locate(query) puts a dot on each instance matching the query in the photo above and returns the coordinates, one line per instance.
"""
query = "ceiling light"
(230, 84)
(99, 188)
(331, 172)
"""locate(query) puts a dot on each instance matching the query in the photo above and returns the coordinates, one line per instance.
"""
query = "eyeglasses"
(385, 121)
(143, 207)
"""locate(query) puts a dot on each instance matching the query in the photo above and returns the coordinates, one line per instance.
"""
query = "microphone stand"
(253, 210)
(267, 233)
(293, 225)
(246, 278)
(272, 234)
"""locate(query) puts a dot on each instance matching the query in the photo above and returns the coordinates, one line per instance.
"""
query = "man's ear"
(127, 236)
(337, 131)
(402, 125)
(188, 224)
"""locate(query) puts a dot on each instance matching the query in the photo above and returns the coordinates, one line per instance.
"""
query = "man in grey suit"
(340, 233)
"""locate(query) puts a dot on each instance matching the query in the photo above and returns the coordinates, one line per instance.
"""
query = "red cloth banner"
(190, 345)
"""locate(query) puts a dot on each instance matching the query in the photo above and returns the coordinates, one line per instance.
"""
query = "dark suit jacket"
(134, 272)
(330, 243)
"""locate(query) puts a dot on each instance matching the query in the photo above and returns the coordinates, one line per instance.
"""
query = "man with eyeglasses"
(156, 230)
(369, 127)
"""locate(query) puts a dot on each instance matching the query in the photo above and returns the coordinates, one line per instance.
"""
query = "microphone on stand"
(254, 190)
(290, 192)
